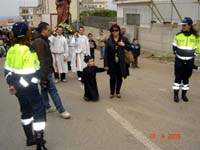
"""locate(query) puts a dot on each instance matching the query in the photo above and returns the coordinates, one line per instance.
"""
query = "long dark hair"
(194, 31)
(25, 40)
(115, 26)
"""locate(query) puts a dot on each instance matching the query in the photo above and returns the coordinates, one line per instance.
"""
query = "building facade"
(145, 12)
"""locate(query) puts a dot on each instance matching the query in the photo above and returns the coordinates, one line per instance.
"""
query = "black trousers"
(115, 80)
(79, 74)
(31, 103)
(183, 70)
(61, 76)
(115, 84)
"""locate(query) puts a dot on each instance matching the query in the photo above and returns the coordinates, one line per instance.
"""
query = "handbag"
(128, 56)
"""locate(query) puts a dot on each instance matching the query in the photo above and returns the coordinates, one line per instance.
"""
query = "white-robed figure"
(60, 53)
(80, 49)
(71, 46)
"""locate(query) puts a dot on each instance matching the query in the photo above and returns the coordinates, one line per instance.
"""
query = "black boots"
(184, 97)
(40, 141)
(176, 98)
(29, 135)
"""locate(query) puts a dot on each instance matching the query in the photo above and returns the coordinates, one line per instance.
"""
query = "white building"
(93, 4)
(143, 12)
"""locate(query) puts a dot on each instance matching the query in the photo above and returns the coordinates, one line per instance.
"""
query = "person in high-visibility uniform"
(184, 47)
(22, 75)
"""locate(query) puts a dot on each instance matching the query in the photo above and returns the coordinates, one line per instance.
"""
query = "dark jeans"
(31, 103)
(135, 62)
(183, 70)
(102, 51)
(92, 53)
(51, 89)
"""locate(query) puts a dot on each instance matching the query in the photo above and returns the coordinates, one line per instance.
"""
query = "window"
(133, 19)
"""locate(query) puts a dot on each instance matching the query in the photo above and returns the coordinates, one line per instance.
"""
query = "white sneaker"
(64, 80)
(56, 81)
(65, 115)
(79, 79)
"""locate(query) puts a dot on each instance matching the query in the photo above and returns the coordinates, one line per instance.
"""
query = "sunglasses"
(115, 30)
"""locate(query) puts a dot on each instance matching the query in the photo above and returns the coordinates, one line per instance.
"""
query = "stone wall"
(158, 38)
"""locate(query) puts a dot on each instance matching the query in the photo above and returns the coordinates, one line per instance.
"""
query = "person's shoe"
(64, 80)
(112, 96)
(176, 98)
(86, 98)
(118, 96)
(184, 97)
(50, 110)
(28, 130)
(56, 81)
(79, 79)
(30, 142)
(65, 115)
(41, 147)
(39, 136)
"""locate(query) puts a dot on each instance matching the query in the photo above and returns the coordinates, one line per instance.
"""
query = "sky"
(10, 8)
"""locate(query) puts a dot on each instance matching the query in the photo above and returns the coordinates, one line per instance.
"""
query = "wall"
(158, 38)
(185, 7)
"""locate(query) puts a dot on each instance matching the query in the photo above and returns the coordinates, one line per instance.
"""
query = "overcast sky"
(9, 8)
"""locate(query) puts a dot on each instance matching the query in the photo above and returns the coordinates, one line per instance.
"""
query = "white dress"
(80, 49)
(60, 50)
(70, 48)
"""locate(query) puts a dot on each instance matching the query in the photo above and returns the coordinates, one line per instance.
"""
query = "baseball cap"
(19, 29)
(187, 20)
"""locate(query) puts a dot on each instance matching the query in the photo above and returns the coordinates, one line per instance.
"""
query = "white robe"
(70, 48)
(60, 52)
(80, 49)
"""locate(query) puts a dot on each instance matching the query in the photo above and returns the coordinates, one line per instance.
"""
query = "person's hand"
(12, 90)
(106, 68)
(121, 43)
(44, 84)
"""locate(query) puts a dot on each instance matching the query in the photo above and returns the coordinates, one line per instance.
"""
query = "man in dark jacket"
(41, 45)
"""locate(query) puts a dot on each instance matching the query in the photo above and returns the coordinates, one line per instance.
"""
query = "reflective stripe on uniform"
(38, 126)
(27, 121)
(176, 86)
(183, 58)
(22, 71)
(174, 44)
(186, 47)
(23, 82)
(185, 87)
(35, 80)
(8, 74)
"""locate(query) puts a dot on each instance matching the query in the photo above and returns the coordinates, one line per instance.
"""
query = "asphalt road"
(145, 118)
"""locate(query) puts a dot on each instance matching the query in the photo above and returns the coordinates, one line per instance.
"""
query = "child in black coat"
(135, 48)
(89, 79)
